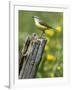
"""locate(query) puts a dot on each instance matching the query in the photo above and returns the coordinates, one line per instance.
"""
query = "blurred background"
(52, 61)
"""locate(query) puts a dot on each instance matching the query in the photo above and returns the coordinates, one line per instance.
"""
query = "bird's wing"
(44, 24)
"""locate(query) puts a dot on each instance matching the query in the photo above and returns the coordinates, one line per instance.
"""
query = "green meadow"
(52, 61)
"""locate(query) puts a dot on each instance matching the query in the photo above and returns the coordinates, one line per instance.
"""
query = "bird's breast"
(42, 27)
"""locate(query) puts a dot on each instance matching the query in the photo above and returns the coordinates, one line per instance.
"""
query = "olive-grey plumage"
(41, 24)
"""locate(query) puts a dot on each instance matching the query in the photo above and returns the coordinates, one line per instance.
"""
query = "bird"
(40, 24)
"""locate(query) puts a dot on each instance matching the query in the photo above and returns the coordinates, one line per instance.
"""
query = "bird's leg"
(42, 35)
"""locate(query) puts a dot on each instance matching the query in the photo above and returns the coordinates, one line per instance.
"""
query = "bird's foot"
(42, 35)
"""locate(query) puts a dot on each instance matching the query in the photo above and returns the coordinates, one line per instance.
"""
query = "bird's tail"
(49, 27)
(53, 28)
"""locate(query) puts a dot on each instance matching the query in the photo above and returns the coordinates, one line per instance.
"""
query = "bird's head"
(35, 17)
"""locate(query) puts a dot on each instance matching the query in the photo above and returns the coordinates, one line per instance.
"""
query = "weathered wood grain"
(31, 56)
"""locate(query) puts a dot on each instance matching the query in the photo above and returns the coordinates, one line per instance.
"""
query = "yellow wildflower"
(51, 57)
(58, 29)
(59, 67)
(49, 32)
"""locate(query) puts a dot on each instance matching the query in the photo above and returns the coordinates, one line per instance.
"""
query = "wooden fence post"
(31, 56)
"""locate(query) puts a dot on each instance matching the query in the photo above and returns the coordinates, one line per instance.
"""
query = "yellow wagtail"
(41, 24)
